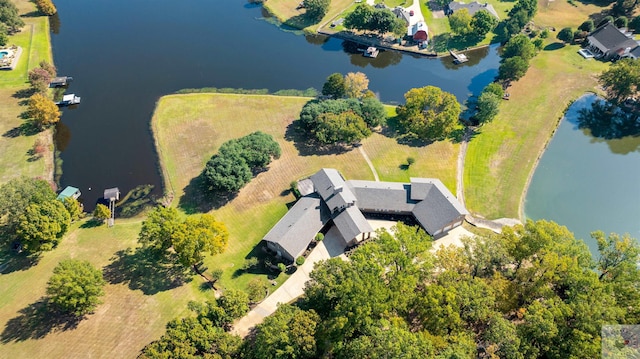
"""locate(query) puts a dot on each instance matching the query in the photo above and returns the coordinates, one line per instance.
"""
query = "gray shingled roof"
(473, 7)
(378, 196)
(111, 193)
(402, 13)
(326, 181)
(299, 225)
(609, 38)
(437, 210)
(351, 223)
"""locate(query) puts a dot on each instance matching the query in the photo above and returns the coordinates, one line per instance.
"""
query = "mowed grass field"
(15, 160)
(502, 156)
(285, 11)
(124, 323)
(190, 128)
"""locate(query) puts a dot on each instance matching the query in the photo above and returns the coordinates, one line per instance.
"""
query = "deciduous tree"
(334, 86)
(198, 236)
(316, 9)
(43, 111)
(565, 35)
(429, 113)
(519, 45)
(42, 225)
(73, 207)
(46, 7)
(621, 80)
(76, 287)
(17, 194)
(483, 22)
(344, 128)
(356, 85)
(288, 333)
(460, 22)
(10, 16)
(39, 79)
(101, 212)
(513, 68)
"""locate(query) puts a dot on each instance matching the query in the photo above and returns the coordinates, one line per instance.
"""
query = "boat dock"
(68, 100)
(60, 81)
(371, 52)
(458, 58)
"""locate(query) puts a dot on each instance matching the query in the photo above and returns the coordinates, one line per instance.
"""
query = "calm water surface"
(586, 183)
(124, 55)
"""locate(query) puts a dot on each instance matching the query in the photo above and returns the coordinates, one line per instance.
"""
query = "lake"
(587, 183)
(124, 55)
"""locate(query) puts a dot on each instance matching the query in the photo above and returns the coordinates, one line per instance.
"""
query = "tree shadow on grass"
(554, 46)
(36, 321)
(24, 93)
(259, 253)
(196, 199)
(394, 130)
(308, 146)
(146, 270)
(25, 129)
(13, 261)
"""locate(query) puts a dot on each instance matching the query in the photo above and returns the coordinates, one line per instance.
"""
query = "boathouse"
(69, 192)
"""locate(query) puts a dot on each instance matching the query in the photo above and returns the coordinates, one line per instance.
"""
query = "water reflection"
(54, 23)
(62, 137)
(619, 146)
(316, 39)
(385, 58)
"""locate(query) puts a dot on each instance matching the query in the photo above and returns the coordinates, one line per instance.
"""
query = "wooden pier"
(458, 58)
(62, 81)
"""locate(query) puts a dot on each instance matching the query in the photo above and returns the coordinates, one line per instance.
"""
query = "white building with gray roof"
(345, 203)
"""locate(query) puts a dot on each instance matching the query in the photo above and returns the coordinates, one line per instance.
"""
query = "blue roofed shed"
(69, 192)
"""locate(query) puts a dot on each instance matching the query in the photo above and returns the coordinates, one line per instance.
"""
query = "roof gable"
(351, 223)
(608, 37)
(297, 228)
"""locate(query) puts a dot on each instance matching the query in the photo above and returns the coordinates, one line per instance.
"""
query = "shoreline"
(525, 190)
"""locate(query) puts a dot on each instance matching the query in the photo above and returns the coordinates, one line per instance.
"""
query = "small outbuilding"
(112, 194)
(60, 81)
(69, 192)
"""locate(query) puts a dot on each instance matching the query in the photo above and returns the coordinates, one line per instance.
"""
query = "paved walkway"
(330, 247)
(366, 158)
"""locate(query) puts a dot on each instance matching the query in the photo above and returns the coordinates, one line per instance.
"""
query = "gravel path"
(366, 158)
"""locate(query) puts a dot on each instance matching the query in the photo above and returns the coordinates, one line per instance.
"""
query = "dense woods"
(533, 291)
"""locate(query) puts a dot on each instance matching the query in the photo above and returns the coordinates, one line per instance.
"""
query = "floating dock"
(371, 52)
(458, 58)
(68, 100)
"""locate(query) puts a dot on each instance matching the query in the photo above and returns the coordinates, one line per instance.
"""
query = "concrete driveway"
(293, 288)
(332, 246)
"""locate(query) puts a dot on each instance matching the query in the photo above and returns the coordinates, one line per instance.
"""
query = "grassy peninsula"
(188, 130)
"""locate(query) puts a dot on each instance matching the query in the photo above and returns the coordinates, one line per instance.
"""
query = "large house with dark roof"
(609, 42)
(344, 204)
(472, 7)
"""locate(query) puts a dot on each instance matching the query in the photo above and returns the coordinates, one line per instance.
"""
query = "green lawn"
(126, 321)
(285, 11)
(15, 160)
(501, 158)
(189, 128)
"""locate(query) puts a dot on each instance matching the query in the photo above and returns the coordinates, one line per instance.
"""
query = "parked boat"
(371, 52)
(68, 100)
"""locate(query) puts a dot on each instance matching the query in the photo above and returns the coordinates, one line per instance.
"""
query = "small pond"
(587, 183)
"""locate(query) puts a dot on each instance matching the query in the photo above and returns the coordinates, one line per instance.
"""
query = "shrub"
(587, 26)
(250, 263)
(300, 260)
(46, 7)
(216, 274)
(565, 35)
(293, 186)
(282, 267)
(621, 21)
(319, 237)
(544, 34)
(257, 289)
(410, 161)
